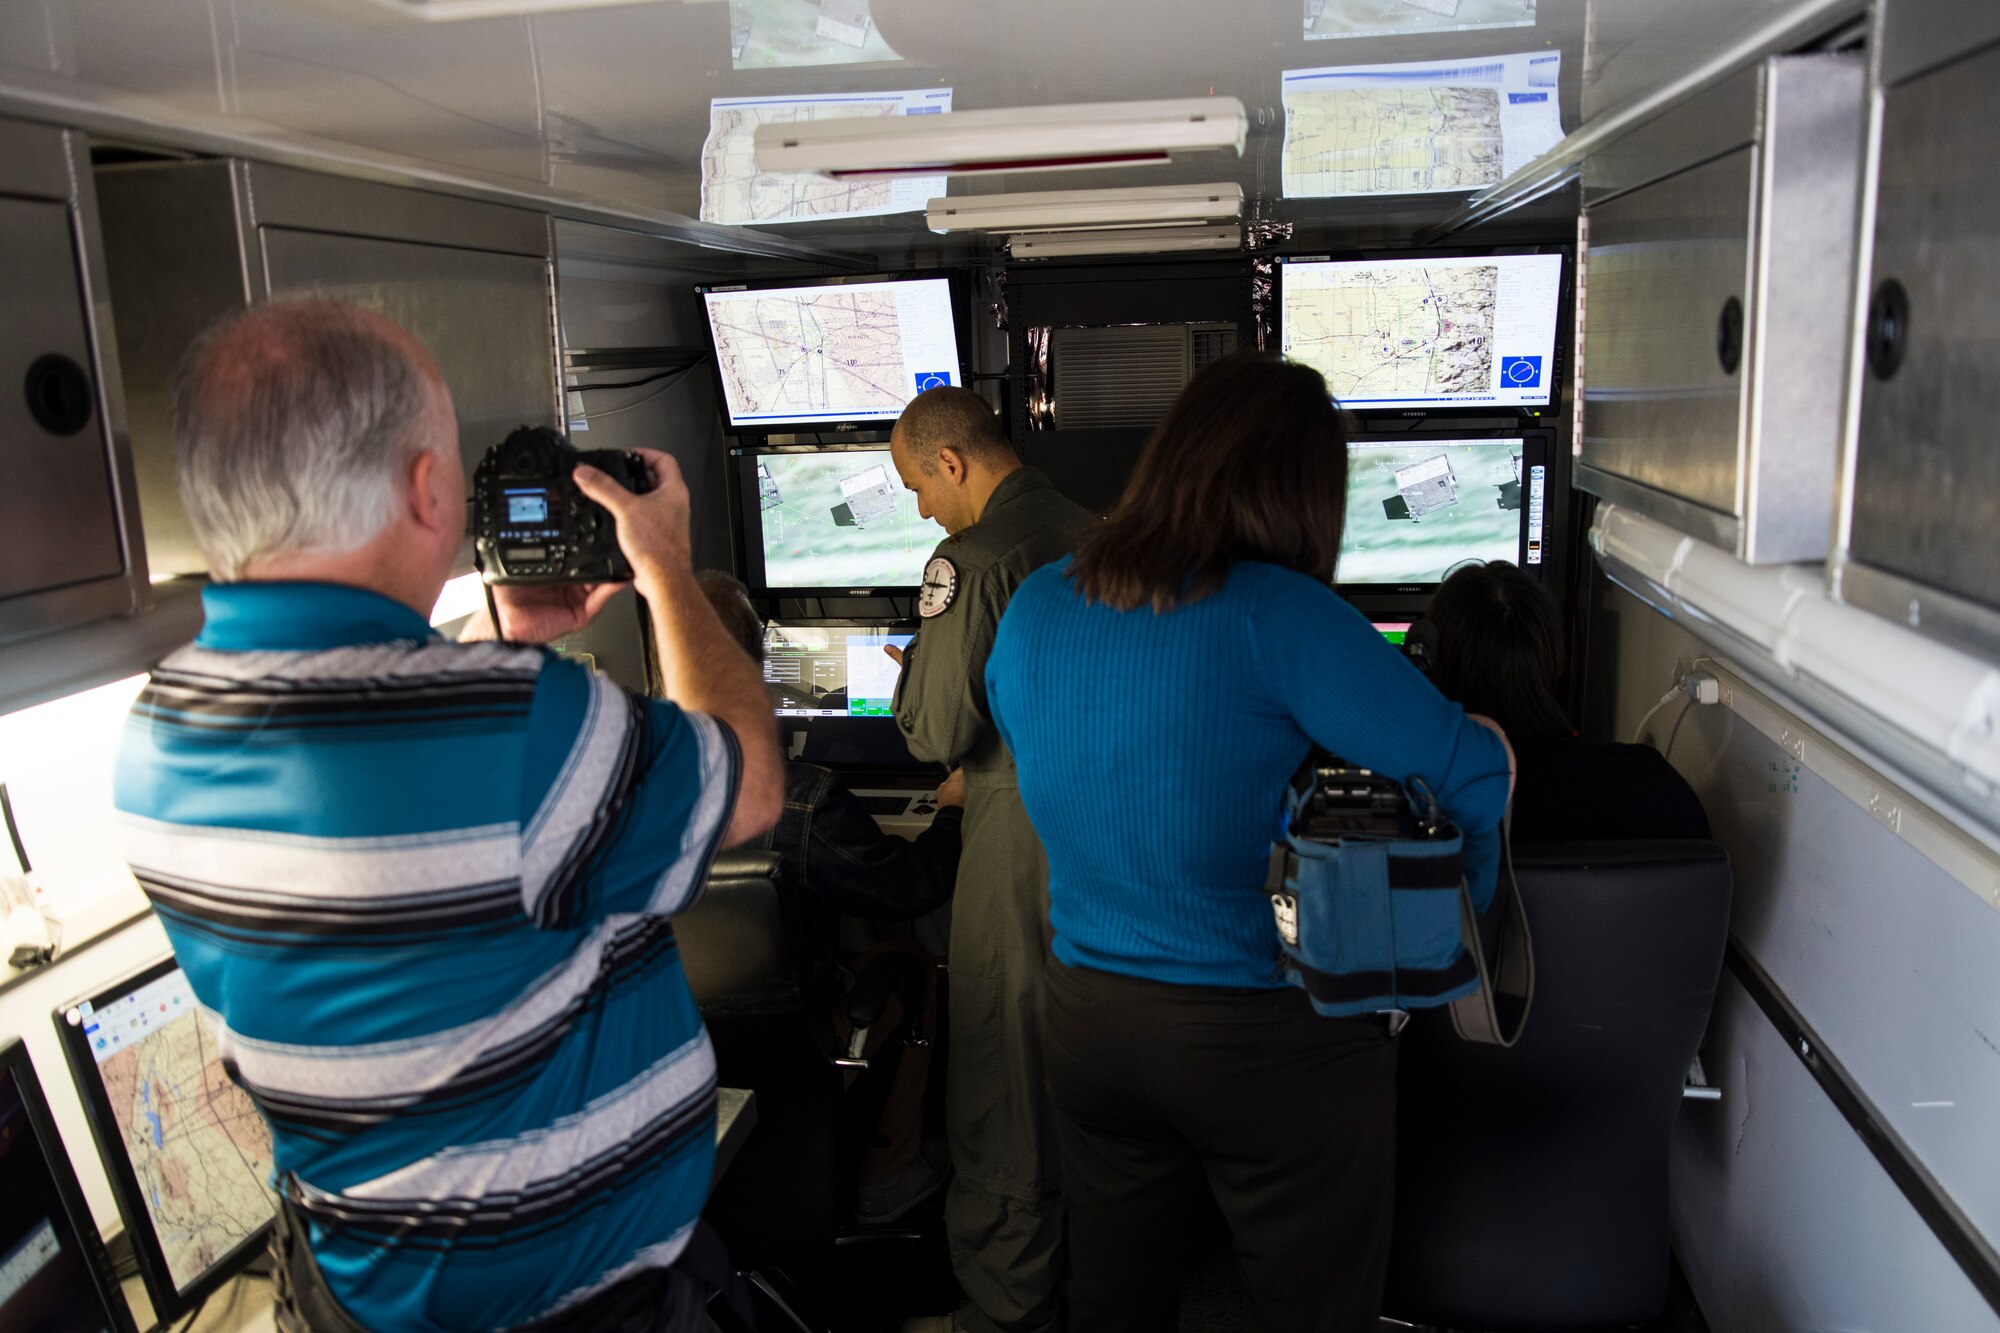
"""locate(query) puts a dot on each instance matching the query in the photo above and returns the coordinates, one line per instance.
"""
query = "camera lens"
(524, 461)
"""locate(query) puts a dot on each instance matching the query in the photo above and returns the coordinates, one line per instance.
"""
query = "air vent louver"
(1128, 375)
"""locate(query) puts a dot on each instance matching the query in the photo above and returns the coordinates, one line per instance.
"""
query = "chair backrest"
(1532, 1182)
(734, 946)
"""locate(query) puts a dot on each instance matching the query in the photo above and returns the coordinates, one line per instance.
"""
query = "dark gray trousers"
(1287, 1119)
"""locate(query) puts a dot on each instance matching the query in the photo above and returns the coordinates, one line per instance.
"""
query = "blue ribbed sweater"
(1154, 751)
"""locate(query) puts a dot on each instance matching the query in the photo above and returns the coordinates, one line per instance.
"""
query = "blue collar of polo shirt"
(299, 616)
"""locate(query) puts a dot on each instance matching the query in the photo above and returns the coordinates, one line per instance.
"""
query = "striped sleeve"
(625, 800)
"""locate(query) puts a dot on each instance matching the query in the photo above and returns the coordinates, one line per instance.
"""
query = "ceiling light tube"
(1136, 241)
(1053, 210)
(1039, 138)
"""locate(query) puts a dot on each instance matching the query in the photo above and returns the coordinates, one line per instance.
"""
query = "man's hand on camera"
(540, 613)
(652, 528)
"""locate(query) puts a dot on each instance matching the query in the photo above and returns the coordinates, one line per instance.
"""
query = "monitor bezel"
(16, 1059)
(1559, 354)
(743, 502)
(758, 432)
(169, 1301)
(1537, 448)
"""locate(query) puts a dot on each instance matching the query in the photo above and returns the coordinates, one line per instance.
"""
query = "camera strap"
(1476, 1017)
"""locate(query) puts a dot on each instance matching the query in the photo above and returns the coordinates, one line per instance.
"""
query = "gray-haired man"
(421, 887)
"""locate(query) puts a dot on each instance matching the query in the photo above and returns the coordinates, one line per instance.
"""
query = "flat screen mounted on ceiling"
(831, 354)
(1433, 334)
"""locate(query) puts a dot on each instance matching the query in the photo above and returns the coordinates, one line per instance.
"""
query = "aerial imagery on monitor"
(1415, 510)
(840, 520)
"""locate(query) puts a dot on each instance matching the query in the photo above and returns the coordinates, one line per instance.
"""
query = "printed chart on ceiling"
(734, 190)
(840, 520)
(783, 34)
(200, 1150)
(1426, 332)
(1418, 128)
(1375, 18)
(823, 354)
(1414, 510)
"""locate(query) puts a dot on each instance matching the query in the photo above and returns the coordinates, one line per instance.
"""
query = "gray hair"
(295, 423)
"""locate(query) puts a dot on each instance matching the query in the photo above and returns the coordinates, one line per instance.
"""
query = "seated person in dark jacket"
(832, 846)
(840, 862)
(1499, 652)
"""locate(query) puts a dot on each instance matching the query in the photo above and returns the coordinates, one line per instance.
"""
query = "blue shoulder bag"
(1370, 894)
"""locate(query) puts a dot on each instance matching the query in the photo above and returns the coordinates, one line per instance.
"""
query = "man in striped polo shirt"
(422, 887)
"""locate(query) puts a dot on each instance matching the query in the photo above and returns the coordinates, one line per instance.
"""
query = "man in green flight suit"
(1004, 1208)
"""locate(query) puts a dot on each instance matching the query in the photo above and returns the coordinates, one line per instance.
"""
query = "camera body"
(1347, 802)
(530, 523)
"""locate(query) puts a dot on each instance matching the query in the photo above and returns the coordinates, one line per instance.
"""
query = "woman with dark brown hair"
(1158, 690)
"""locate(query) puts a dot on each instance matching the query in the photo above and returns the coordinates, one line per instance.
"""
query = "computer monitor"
(54, 1274)
(819, 522)
(188, 1155)
(832, 353)
(1419, 506)
(1456, 333)
(832, 668)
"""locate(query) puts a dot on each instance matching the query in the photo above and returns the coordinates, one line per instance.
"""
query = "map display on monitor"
(733, 190)
(1422, 128)
(838, 352)
(198, 1147)
(1416, 509)
(1436, 333)
(839, 520)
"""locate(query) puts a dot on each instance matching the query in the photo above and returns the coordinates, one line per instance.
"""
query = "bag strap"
(1476, 1017)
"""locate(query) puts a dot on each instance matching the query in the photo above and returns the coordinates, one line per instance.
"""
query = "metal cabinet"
(69, 549)
(188, 241)
(1921, 527)
(1717, 290)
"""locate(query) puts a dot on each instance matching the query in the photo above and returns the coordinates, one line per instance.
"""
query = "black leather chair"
(1531, 1188)
(768, 1008)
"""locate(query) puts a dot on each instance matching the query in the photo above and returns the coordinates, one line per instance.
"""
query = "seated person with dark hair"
(832, 846)
(1499, 652)
(840, 862)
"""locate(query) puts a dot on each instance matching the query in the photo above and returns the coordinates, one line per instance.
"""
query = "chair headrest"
(1620, 854)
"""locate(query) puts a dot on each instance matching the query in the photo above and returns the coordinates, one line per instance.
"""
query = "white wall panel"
(1783, 1220)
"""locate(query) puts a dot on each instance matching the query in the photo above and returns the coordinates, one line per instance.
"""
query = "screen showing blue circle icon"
(1520, 372)
(933, 379)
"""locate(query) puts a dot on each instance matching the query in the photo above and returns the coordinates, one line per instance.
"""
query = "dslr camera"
(530, 523)
(1346, 801)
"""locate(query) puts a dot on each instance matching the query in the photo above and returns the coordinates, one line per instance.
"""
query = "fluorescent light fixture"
(1037, 138)
(1131, 241)
(1069, 210)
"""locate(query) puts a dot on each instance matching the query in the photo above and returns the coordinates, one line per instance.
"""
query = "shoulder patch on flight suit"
(940, 587)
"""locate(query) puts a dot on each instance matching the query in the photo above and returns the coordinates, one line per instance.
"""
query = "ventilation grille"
(1211, 345)
(1129, 375)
